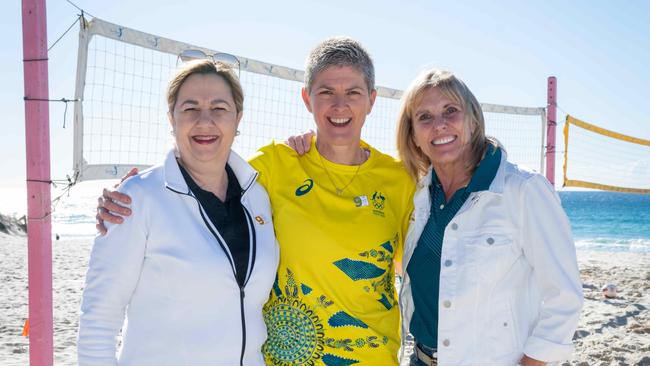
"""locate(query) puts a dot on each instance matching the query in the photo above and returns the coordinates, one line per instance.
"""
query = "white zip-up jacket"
(509, 279)
(168, 270)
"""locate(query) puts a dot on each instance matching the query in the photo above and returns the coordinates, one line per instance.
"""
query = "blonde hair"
(205, 67)
(415, 161)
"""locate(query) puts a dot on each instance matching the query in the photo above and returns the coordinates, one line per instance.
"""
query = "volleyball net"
(598, 158)
(122, 121)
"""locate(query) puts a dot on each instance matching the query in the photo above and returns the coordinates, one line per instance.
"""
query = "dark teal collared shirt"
(424, 267)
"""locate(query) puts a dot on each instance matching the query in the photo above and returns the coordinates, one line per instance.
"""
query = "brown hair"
(205, 67)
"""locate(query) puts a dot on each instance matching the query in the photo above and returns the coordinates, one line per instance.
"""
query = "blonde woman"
(491, 276)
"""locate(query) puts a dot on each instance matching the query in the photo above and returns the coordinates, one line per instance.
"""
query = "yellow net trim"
(588, 126)
(602, 131)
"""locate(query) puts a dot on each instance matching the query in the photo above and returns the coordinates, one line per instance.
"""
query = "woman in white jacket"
(192, 269)
(490, 271)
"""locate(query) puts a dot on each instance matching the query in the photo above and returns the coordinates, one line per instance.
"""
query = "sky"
(504, 51)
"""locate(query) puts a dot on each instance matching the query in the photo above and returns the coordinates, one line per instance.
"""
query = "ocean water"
(609, 221)
(74, 213)
(602, 221)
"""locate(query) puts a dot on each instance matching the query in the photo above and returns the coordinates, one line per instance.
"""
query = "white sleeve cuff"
(543, 350)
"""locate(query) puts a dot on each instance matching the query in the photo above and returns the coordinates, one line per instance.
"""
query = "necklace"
(339, 191)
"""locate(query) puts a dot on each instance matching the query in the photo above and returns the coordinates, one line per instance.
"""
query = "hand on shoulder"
(108, 205)
(301, 143)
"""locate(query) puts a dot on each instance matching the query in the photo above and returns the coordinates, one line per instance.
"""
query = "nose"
(205, 116)
(439, 121)
(339, 102)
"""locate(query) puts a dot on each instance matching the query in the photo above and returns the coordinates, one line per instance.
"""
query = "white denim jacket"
(509, 279)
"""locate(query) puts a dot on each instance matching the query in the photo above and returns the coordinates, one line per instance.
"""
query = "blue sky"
(505, 50)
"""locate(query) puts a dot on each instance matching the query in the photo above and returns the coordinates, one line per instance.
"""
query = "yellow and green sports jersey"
(334, 300)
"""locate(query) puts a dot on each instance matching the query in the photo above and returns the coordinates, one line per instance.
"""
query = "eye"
(424, 117)
(354, 92)
(450, 111)
(190, 109)
(325, 92)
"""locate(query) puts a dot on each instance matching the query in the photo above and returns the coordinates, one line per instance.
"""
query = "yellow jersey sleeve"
(406, 211)
(263, 161)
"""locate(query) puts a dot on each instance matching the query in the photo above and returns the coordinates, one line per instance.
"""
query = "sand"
(70, 259)
(611, 331)
(614, 331)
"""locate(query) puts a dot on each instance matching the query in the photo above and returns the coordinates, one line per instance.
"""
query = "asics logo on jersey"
(304, 188)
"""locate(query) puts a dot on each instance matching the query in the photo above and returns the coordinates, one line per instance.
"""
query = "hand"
(301, 143)
(106, 205)
(527, 361)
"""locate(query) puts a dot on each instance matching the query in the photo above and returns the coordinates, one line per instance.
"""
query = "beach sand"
(614, 331)
(70, 259)
(611, 331)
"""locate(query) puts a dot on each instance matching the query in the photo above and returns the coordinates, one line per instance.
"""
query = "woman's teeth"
(444, 140)
(340, 121)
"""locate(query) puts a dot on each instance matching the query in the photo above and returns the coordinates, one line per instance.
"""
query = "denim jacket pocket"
(490, 253)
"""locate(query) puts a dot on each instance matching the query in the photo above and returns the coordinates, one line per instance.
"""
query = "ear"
(471, 126)
(306, 99)
(170, 118)
(414, 141)
(373, 96)
(240, 114)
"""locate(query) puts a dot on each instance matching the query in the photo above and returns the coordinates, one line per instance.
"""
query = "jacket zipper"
(242, 293)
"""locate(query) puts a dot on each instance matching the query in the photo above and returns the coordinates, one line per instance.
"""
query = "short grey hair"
(339, 51)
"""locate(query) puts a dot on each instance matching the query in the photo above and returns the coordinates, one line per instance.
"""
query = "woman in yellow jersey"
(340, 213)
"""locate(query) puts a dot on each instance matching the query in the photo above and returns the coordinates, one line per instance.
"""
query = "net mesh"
(521, 135)
(124, 104)
(124, 112)
(125, 119)
(601, 161)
